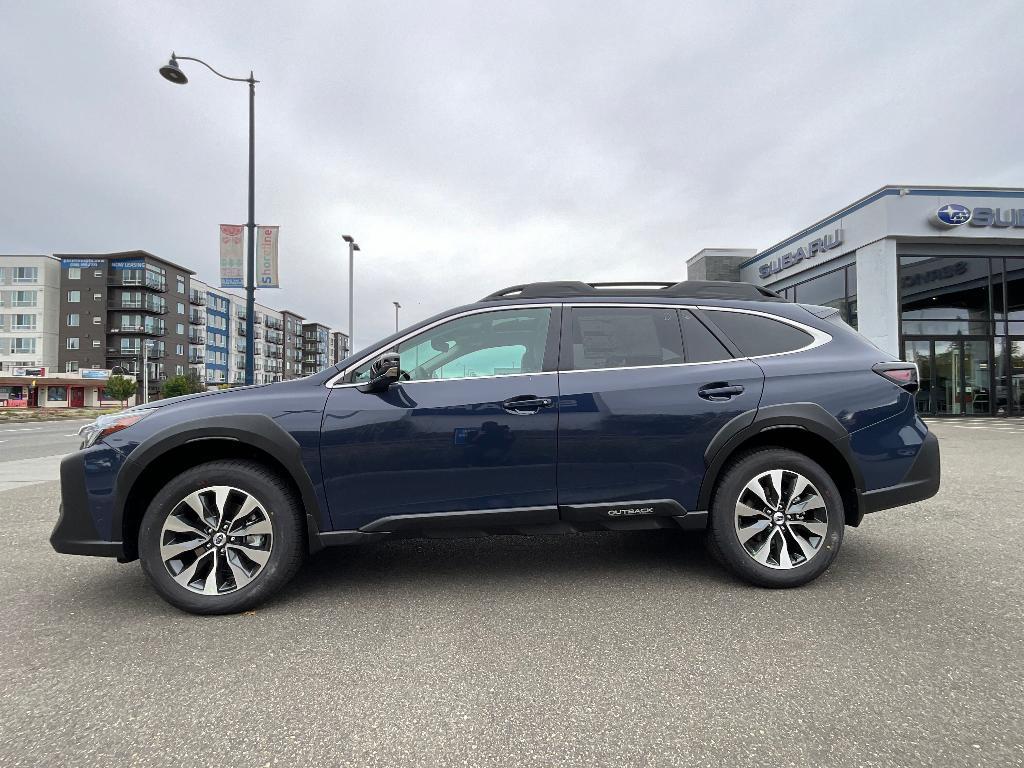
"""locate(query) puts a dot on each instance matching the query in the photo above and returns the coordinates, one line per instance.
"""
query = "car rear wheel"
(776, 518)
(221, 537)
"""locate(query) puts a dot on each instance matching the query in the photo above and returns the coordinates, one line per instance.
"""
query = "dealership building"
(934, 275)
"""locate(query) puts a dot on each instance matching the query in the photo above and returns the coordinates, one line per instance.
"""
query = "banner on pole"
(232, 273)
(266, 257)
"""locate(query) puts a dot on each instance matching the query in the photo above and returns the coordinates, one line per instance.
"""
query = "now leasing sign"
(266, 257)
(231, 261)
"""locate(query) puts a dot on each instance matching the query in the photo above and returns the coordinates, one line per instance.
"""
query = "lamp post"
(353, 246)
(172, 72)
(397, 307)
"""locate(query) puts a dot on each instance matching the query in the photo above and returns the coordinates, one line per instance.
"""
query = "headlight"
(108, 425)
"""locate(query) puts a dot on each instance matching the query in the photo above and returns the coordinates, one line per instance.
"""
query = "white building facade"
(29, 313)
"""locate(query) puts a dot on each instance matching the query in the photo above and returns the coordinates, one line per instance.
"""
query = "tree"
(121, 388)
(182, 385)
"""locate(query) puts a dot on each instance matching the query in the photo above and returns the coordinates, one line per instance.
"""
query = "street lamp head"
(355, 247)
(347, 238)
(397, 305)
(171, 71)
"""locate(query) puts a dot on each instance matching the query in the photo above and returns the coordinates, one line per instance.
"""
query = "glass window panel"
(828, 290)
(951, 288)
(938, 327)
(620, 337)
(484, 344)
(757, 335)
(699, 343)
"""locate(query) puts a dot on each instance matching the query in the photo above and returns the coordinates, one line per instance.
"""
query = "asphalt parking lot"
(600, 649)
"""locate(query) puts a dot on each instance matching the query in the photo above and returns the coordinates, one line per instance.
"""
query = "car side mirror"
(384, 371)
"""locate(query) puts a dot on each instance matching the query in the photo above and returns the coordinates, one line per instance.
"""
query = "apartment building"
(315, 347)
(292, 344)
(340, 347)
(113, 305)
(29, 308)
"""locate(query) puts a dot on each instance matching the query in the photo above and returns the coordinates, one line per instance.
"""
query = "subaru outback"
(557, 407)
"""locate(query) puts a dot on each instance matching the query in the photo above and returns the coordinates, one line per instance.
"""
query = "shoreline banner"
(266, 257)
(232, 273)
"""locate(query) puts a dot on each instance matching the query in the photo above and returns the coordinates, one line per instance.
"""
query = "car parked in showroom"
(544, 408)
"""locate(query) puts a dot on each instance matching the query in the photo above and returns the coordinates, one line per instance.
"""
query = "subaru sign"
(953, 215)
(817, 246)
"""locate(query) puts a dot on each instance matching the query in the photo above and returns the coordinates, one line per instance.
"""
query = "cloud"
(469, 146)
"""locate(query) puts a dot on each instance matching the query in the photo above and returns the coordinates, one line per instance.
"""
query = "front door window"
(485, 344)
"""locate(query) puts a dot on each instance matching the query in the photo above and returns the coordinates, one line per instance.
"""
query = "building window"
(74, 273)
(178, 370)
(57, 394)
(72, 342)
(181, 284)
(97, 297)
(24, 346)
(181, 308)
(73, 320)
(97, 320)
(179, 349)
(26, 274)
(837, 289)
(96, 343)
(23, 323)
(23, 298)
(945, 296)
(74, 297)
(180, 329)
(71, 366)
(97, 273)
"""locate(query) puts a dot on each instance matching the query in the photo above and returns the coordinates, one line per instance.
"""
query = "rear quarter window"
(758, 335)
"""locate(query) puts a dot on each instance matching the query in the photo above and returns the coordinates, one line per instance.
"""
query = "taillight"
(902, 374)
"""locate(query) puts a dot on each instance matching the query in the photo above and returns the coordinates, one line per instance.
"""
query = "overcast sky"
(469, 146)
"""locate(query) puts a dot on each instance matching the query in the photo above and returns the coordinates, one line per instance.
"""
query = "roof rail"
(687, 289)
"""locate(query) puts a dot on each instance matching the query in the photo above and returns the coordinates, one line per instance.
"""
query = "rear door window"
(622, 337)
(759, 335)
(699, 344)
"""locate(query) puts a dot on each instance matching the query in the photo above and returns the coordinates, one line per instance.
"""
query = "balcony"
(152, 282)
(197, 318)
(198, 298)
(258, 319)
(146, 304)
(196, 338)
(240, 330)
(143, 330)
(133, 353)
(196, 357)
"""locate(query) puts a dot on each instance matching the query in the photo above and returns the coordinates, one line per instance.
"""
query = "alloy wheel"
(216, 540)
(781, 519)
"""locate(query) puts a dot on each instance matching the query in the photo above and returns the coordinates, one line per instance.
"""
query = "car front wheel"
(776, 518)
(221, 537)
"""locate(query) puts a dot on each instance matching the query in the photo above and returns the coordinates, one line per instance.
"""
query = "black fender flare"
(810, 417)
(257, 430)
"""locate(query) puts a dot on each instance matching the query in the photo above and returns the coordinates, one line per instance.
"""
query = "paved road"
(597, 650)
(30, 453)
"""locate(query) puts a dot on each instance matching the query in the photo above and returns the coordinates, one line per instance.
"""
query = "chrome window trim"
(819, 338)
(334, 383)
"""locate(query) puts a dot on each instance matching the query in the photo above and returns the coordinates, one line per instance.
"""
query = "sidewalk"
(22, 472)
(23, 415)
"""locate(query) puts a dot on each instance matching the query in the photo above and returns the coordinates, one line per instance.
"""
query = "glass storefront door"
(1009, 388)
(955, 376)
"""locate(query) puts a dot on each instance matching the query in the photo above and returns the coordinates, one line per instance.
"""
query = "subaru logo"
(952, 215)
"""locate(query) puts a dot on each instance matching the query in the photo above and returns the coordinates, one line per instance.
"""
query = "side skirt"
(641, 515)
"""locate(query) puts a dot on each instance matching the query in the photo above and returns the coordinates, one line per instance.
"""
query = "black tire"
(724, 538)
(286, 548)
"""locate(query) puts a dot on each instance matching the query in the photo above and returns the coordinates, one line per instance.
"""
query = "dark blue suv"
(544, 408)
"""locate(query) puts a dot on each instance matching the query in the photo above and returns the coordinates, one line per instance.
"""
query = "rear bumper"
(921, 481)
(75, 532)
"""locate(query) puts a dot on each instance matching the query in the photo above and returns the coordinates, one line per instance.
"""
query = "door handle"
(526, 404)
(719, 390)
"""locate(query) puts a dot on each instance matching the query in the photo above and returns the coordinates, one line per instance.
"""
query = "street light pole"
(353, 246)
(173, 73)
(397, 307)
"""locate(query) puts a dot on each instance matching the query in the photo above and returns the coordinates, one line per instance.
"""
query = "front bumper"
(87, 493)
(921, 481)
